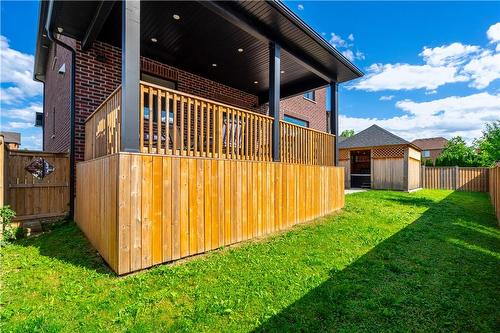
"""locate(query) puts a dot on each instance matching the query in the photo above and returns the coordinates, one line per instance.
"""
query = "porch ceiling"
(202, 37)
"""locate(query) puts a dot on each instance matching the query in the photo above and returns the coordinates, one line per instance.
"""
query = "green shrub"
(6, 215)
(428, 163)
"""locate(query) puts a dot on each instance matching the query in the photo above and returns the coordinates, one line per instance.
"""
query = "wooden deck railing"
(176, 123)
(102, 128)
(306, 146)
(180, 124)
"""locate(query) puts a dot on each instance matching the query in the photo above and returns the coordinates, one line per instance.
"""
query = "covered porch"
(172, 172)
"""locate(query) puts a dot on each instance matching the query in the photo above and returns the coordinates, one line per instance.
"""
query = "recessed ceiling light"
(214, 65)
(176, 17)
(60, 29)
(240, 50)
(282, 72)
(154, 40)
(255, 82)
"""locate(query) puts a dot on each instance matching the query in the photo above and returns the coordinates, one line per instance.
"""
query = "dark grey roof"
(341, 139)
(371, 137)
(11, 137)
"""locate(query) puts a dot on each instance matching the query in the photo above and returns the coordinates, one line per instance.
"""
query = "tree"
(488, 145)
(457, 153)
(347, 133)
(428, 162)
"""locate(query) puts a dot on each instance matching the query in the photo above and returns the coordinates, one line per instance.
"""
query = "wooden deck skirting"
(139, 210)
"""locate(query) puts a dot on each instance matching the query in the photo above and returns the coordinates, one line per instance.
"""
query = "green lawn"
(426, 261)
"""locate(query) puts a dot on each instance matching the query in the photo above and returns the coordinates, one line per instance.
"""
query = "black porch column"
(334, 117)
(131, 22)
(274, 96)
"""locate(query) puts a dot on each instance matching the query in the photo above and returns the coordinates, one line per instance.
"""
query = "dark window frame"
(310, 96)
(296, 121)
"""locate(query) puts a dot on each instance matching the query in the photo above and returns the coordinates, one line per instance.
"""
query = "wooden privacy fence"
(141, 210)
(306, 146)
(179, 124)
(494, 189)
(455, 178)
(36, 183)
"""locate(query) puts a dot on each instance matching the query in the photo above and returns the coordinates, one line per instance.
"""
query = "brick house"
(431, 147)
(191, 125)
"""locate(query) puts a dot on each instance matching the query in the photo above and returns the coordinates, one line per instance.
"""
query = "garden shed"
(376, 158)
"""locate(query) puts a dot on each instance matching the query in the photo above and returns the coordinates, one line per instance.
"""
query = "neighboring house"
(12, 139)
(191, 120)
(376, 158)
(431, 147)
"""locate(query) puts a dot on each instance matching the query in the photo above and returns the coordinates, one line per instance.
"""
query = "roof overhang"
(215, 29)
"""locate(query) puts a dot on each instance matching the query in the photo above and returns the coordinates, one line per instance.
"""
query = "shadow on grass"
(65, 242)
(438, 274)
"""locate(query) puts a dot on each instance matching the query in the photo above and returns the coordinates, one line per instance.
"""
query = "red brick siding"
(56, 135)
(312, 112)
(434, 153)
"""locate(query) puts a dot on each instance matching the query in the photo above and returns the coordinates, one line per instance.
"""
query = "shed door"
(360, 168)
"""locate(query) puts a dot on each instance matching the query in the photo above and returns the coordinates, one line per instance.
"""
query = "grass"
(425, 261)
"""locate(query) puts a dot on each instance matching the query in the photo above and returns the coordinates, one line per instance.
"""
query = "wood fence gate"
(455, 178)
(35, 184)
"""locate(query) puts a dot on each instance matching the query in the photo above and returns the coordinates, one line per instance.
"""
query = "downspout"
(35, 77)
(72, 164)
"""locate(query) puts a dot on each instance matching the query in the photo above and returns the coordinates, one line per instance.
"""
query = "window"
(154, 107)
(310, 95)
(426, 153)
(296, 121)
(158, 81)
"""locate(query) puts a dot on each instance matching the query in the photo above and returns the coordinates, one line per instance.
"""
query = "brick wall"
(56, 135)
(98, 73)
(312, 112)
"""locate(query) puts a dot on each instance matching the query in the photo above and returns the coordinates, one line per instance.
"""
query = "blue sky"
(431, 69)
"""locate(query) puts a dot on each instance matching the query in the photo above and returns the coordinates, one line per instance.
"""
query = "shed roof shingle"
(11, 137)
(373, 136)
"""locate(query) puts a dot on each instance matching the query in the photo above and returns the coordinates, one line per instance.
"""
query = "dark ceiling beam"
(255, 29)
(100, 16)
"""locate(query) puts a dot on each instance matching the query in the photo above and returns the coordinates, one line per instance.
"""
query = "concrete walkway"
(354, 190)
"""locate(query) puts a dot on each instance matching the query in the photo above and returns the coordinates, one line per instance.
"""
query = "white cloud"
(337, 41)
(452, 54)
(345, 47)
(407, 77)
(17, 125)
(483, 70)
(24, 113)
(448, 117)
(493, 33)
(300, 7)
(348, 54)
(33, 141)
(386, 98)
(17, 74)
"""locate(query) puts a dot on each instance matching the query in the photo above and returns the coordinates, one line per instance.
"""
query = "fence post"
(457, 175)
(422, 178)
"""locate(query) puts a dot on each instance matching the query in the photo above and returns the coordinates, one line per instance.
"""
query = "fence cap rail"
(306, 128)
